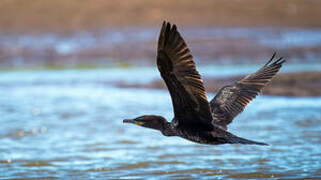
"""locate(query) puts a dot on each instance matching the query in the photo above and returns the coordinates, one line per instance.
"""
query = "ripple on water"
(309, 122)
(127, 142)
(99, 169)
(168, 162)
(5, 161)
(202, 172)
(134, 165)
(255, 175)
(20, 133)
(36, 164)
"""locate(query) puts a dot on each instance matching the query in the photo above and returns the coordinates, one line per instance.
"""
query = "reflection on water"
(54, 125)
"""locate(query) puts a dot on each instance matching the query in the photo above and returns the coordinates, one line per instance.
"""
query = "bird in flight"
(195, 118)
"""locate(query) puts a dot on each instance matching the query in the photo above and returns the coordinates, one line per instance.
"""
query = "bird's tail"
(239, 140)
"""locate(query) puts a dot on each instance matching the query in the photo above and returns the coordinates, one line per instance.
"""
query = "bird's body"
(195, 118)
(200, 134)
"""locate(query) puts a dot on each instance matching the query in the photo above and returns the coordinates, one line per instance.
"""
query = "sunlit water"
(68, 124)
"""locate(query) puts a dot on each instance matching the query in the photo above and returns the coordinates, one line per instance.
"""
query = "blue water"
(68, 124)
(273, 37)
(132, 75)
(21, 46)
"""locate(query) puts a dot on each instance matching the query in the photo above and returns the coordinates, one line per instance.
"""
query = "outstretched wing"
(177, 68)
(232, 99)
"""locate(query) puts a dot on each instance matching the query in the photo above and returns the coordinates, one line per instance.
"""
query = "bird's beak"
(133, 121)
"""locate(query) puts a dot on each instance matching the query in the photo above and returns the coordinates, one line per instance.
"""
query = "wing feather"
(177, 68)
(231, 100)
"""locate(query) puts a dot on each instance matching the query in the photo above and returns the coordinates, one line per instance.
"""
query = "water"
(273, 37)
(132, 75)
(56, 125)
(139, 44)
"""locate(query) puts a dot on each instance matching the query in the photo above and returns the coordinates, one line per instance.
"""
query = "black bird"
(195, 118)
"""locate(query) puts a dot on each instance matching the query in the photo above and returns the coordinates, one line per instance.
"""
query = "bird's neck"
(168, 129)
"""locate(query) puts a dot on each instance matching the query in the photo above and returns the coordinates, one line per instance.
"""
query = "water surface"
(138, 45)
(59, 124)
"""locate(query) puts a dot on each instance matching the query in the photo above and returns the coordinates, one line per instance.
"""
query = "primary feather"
(231, 100)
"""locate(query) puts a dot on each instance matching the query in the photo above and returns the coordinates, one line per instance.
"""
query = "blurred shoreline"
(300, 84)
(89, 33)
(64, 17)
(58, 35)
(137, 46)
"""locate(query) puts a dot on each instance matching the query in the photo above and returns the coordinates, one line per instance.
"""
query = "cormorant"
(195, 118)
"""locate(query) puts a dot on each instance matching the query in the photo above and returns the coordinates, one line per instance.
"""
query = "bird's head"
(149, 121)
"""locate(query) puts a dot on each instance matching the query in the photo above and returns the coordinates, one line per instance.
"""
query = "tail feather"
(239, 140)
